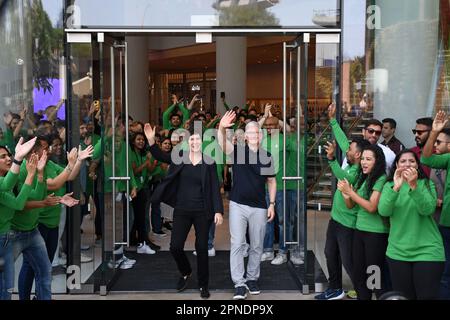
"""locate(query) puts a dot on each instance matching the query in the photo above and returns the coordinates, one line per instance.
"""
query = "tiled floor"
(317, 224)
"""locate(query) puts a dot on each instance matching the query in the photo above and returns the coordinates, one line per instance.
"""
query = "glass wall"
(396, 60)
(204, 13)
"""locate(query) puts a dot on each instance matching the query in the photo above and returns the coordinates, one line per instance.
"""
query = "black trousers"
(139, 208)
(338, 252)
(369, 250)
(416, 280)
(182, 223)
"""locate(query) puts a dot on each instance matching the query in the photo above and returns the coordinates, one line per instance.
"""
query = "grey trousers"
(256, 219)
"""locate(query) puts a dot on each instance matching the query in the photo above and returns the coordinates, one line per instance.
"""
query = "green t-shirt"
(120, 167)
(9, 203)
(166, 116)
(441, 161)
(371, 222)
(414, 235)
(211, 148)
(138, 159)
(339, 211)
(291, 163)
(49, 216)
(274, 145)
(9, 181)
(27, 220)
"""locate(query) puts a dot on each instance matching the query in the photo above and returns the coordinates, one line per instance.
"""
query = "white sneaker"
(211, 252)
(122, 264)
(85, 258)
(296, 259)
(128, 260)
(145, 249)
(267, 256)
(118, 251)
(279, 259)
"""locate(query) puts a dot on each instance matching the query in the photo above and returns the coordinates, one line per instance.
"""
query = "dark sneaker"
(182, 283)
(240, 293)
(167, 225)
(204, 293)
(252, 287)
(331, 294)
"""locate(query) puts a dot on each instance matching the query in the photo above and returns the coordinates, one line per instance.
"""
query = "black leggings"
(416, 280)
(139, 206)
(369, 249)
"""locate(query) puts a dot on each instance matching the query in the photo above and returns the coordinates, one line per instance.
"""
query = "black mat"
(159, 273)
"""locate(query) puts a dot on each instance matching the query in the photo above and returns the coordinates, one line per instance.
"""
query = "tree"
(247, 16)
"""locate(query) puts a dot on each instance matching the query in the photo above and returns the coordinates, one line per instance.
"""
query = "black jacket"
(167, 190)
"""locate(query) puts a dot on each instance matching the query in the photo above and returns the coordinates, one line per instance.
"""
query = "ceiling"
(202, 57)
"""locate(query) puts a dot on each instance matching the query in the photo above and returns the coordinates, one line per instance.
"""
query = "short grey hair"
(253, 124)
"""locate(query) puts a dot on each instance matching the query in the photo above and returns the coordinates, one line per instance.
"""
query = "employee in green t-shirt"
(158, 171)
(10, 202)
(140, 164)
(341, 227)
(415, 252)
(440, 138)
(371, 234)
(46, 219)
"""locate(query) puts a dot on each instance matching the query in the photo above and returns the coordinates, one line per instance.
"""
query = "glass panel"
(378, 80)
(205, 13)
(32, 88)
(323, 88)
(114, 189)
(85, 130)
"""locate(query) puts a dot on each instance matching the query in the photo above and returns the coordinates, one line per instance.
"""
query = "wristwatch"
(272, 203)
(17, 162)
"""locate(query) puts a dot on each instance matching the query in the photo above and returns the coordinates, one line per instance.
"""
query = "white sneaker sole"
(339, 297)
(240, 297)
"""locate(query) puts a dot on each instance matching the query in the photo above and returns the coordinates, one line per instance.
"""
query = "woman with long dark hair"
(415, 251)
(140, 164)
(192, 188)
(158, 173)
(371, 234)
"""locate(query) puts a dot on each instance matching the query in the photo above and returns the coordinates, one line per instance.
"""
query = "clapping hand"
(68, 200)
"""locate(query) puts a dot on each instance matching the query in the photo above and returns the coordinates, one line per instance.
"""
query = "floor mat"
(159, 273)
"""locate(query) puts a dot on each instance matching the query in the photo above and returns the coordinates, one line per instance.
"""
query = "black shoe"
(204, 293)
(240, 293)
(252, 287)
(152, 245)
(182, 282)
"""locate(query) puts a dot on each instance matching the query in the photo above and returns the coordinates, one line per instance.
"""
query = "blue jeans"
(27, 275)
(32, 246)
(7, 265)
(445, 280)
(291, 223)
(270, 226)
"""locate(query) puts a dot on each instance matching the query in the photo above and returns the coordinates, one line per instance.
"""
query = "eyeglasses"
(438, 142)
(372, 131)
(419, 132)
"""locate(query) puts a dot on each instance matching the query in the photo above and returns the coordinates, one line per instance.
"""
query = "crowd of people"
(390, 212)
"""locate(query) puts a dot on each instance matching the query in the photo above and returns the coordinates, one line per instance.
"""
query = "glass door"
(98, 105)
(293, 159)
(310, 84)
(115, 189)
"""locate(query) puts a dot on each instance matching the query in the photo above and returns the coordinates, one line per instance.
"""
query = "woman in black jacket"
(191, 187)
